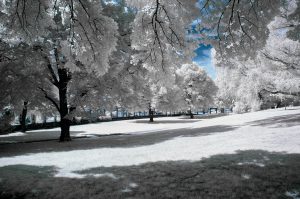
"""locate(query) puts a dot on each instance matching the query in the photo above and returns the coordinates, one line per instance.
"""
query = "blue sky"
(203, 52)
(204, 59)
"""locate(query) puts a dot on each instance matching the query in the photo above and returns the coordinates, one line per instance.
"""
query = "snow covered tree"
(159, 40)
(170, 99)
(233, 26)
(247, 82)
(73, 38)
(239, 83)
(126, 84)
(198, 89)
(159, 34)
(280, 56)
(19, 82)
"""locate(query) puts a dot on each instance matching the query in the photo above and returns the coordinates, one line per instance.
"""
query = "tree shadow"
(130, 140)
(184, 119)
(163, 135)
(220, 176)
(111, 141)
(210, 116)
(36, 136)
(181, 121)
(278, 121)
(246, 174)
(194, 132)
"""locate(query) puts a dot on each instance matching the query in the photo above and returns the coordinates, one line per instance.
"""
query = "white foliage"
(248, 83)
(198, 89)
(159, 33)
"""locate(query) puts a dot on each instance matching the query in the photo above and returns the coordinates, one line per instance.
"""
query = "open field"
(251, 155)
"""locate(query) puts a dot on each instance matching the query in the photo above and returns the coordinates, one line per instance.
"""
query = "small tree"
(198, 89)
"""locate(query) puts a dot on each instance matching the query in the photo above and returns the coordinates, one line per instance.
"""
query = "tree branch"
(50, 99)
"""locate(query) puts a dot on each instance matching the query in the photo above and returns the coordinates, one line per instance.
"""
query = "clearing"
(251, 155)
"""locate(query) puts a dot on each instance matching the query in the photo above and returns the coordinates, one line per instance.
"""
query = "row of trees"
(68, 56)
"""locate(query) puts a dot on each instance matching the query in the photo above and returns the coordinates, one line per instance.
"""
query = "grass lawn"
(247, 174)
(252, 155)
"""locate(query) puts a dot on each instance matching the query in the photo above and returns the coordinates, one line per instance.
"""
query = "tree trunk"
(278, 104)
(65, 130)
(151, 115)
(64, 122)
(191, 114)
(23, 117)
(61, 83)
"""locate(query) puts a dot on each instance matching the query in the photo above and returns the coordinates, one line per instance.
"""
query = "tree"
(160, 43)
(232, 26)
(19, 83)
(159, 33)
(198, 89)
(126, 84)
(170, 99)
(73, 38)
(239, 83)
(248, 82)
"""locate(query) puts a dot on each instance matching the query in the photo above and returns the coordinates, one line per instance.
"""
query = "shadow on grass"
(110, 141)
(210, 116)
(192, 132)
(221, 176)
(278, 121)
(36, 136)
(181, 121)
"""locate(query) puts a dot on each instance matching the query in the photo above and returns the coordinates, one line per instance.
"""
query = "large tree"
(19, 82)
(247, 82)
(73, 38)
(160, 41)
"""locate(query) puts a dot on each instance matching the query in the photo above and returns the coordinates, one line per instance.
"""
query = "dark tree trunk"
(151, 115)
(260, 96)
(63, 108)
(191, 114)
(23, 117)
(65, 130)
(278, 104)
(61, 82)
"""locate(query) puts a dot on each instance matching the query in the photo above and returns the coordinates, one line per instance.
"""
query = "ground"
(251, 155)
